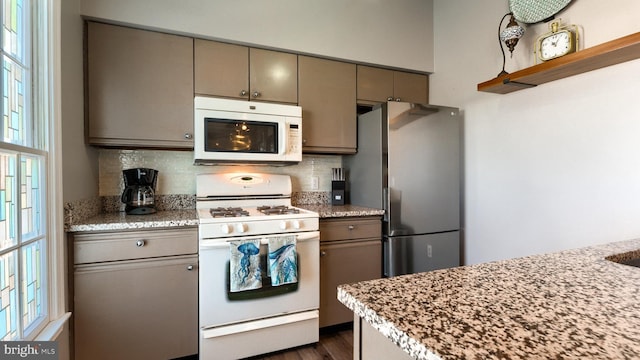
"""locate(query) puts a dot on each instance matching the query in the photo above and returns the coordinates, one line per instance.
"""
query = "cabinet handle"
(398, 99)
(256, 94)
(189, 267)
(323, 253)
(140, 243)
(351, 227)
(243, 92)
(188, 136)
(390, 98)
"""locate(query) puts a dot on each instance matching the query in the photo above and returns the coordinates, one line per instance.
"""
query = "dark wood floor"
(336, 343)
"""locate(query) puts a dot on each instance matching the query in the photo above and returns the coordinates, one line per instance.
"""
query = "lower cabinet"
(350, 251)
(137, 298)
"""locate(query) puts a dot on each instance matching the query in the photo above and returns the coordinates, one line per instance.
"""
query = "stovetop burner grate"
(228, 212)
(277, 210)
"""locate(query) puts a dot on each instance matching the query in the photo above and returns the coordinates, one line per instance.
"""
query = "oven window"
(224, 135)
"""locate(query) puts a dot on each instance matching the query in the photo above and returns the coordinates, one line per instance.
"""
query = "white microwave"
(236, 131)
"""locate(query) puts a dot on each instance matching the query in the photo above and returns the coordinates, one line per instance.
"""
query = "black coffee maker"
(139, 191)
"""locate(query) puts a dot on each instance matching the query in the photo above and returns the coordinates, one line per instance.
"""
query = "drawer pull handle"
(140, 243)
(189, 267)
(323, 253)
(351, 227)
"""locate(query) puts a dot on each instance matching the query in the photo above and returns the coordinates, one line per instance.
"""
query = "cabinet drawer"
(99, 247)
(350, 228)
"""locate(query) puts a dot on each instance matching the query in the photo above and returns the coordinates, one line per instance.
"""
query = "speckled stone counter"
(121, 221)
(568, 305)
(333, 211)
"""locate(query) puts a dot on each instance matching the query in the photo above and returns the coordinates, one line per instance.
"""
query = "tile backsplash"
(176, 172)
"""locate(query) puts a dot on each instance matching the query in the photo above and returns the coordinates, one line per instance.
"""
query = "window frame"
(45, 110)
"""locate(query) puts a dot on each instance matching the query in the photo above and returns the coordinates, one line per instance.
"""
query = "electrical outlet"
(315, 183)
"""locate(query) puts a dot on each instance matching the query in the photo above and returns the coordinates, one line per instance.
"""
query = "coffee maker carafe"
(139, 191)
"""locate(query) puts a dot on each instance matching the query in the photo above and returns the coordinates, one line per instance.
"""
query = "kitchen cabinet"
(135, 294)
(327, 95)
(139, 88)
(240, 72)
(376, 85)
(350, 251)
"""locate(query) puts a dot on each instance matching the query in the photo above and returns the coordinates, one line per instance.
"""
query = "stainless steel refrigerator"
(408, 163)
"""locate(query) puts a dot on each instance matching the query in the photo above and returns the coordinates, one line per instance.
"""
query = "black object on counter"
(139, 191)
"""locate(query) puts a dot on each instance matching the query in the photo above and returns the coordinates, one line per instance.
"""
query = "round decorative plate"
(533, 11)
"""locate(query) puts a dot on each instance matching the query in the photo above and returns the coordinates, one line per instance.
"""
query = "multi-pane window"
(23, 160)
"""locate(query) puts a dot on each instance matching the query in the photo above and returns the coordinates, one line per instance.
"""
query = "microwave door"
(229, 131)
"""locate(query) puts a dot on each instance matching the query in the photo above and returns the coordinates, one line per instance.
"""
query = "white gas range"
(250, 208)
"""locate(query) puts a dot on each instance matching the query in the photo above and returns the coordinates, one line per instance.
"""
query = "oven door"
(219, 307)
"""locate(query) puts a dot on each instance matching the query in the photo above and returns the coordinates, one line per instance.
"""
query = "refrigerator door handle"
(385, 204)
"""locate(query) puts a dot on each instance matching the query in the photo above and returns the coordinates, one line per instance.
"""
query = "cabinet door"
(143, 309)
(375, 85)
(273, 76)
(328, 100)
(344, 262)
(409, 87)
(221, 69)
(140, 87)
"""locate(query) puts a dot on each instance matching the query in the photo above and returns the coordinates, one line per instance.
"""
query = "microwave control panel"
(294, 138)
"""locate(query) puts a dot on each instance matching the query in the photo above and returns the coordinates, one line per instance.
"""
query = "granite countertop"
(333, 211)
(189, 217)
(571, 304)
(121, 221)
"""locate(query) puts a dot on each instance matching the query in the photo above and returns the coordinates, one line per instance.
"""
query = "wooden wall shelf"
(610, 53)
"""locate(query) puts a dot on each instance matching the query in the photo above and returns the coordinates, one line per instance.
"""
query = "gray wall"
(80, 162)
(395, 33)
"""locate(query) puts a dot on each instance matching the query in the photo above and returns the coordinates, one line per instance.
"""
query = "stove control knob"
(283, 225)
(241, 227)
(296, 224)
(225, 228)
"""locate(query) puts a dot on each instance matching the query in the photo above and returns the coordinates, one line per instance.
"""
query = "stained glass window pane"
(8, 296)
(13, 28)
(32, 268)
(30, 197)
(13, 103)
(8, 215)
(23, 260)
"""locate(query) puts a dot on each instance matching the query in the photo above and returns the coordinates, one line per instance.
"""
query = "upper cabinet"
(139, 88)
(241, 72)
(327, 94)
(221, 69)
(376, 85)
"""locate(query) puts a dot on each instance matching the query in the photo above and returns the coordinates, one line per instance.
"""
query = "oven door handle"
(311, 315)
(217, 244)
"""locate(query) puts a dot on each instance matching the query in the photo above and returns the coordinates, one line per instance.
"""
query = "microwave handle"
(285, 138)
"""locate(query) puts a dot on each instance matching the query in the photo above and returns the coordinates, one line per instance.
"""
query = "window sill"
(53, 329)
